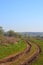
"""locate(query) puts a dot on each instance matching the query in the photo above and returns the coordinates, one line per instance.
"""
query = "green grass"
(12, 49)
(39, 60)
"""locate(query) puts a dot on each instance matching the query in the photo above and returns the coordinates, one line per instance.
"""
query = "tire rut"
(28, 60)
(33, 57)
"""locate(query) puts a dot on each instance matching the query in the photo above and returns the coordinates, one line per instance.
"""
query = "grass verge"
(39, 60)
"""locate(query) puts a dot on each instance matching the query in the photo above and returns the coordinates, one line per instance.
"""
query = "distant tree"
(11, 33)
(1, 31)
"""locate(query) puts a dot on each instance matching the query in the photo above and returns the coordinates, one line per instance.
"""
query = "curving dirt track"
(27, 60)
(15, 57)
(33, 56)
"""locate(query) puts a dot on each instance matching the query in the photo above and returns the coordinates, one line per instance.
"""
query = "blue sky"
(22, 15)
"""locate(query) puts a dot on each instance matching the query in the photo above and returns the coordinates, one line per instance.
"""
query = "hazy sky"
(22, 15)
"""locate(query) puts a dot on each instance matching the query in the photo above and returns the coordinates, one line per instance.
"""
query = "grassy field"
(39, 60)
(19, 47)
(12, 49)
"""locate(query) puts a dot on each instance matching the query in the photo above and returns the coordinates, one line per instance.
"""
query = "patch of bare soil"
(8, 40)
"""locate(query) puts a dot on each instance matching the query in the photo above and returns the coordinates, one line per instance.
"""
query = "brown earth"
(8, 40)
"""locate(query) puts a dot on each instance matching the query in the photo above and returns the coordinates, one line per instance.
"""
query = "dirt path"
(7, 60)
(32, 57)
(14, 57)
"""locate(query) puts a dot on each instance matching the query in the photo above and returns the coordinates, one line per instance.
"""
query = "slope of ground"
(12, 49)
(39, 60)
(26, 57)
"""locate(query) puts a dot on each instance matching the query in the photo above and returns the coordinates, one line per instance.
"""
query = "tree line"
(7, 33)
